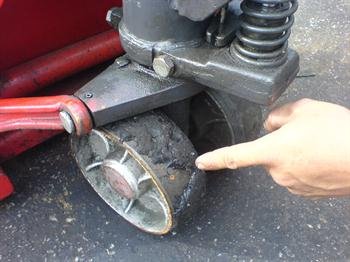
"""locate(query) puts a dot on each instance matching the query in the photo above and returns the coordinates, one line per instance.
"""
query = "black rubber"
(218, 119)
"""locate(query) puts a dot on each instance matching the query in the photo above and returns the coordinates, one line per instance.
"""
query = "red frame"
(34, 28)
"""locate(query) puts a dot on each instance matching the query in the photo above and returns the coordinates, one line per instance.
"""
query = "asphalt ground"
(56, 216)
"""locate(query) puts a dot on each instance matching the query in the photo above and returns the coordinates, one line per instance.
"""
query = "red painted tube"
(6, 187)
(12, 122)
(37, 113)
(43, 113)
(14, 143)
(32, 76)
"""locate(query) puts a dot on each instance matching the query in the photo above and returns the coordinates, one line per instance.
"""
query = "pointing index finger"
(257, 152)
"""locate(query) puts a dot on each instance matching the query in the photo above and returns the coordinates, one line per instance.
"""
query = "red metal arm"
(23, 79)
(43, 113)
(43, 121)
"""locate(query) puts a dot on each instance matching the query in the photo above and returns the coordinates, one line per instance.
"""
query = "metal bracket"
(222, 29)
(219, 69)
(123, 91)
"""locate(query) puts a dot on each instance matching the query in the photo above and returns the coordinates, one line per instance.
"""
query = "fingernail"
(199, 164)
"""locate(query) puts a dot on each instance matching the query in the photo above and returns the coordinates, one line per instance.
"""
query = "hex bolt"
(163, 66)
(113, 17)
(122, 61)
(109, 16)
(67, 122)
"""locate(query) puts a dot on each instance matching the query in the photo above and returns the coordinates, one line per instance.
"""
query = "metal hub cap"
(120, 178)
(123, 181)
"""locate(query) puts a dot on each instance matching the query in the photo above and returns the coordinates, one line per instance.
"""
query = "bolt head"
(122, 61)
(113, 16)
(67, 122)
(163, 66)
(109, 16)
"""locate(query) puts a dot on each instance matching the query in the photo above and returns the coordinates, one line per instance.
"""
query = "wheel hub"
(120, 178)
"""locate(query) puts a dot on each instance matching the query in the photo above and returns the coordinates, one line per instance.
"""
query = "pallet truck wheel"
(143, 167)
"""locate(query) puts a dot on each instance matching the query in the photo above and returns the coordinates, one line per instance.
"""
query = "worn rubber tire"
(167, 151)
(231, 120)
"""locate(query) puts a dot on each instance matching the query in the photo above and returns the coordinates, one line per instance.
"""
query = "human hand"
(307, 150)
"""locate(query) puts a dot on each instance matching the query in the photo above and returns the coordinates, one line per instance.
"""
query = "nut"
(113, 17)
(163, 66)
(109, 16)
(122, 61)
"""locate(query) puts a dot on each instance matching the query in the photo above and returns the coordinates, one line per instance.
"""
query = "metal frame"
(153, 30)
(171, 39)
(153, 33)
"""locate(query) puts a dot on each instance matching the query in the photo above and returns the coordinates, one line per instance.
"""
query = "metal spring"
(265, 28)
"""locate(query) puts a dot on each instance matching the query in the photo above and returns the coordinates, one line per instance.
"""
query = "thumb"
(236, 156)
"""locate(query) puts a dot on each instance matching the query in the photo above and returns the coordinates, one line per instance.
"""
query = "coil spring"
(265, 28)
